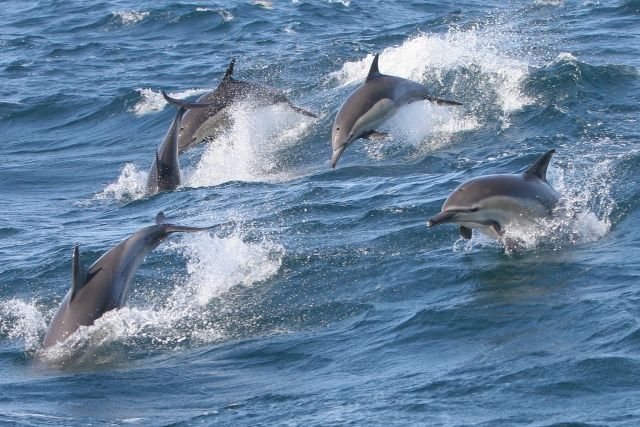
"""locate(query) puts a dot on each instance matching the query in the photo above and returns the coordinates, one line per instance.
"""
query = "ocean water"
(321, 298)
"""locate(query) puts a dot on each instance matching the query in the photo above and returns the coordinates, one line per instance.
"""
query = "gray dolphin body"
(491, 202)
(373, 103)
(164, 174)
(197, 125)
(105, 285)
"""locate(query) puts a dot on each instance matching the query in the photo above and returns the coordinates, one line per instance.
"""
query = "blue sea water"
(322, 298)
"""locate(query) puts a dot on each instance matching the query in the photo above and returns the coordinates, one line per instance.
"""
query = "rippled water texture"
(320, 297)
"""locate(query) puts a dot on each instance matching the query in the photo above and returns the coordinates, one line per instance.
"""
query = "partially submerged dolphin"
(200, 124)
(105, 285)
(164, 174)
(492, 202)
(373, 103)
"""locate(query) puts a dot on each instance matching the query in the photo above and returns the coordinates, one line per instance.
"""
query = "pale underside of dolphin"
(164, 174)
(105, 285)
(199, 125)
(492, 202)
(372, 104)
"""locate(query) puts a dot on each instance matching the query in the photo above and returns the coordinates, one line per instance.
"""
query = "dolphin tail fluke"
(539, 168)
(336, 155)
(302, 110)
(374, 71)
(184, 105)
(443, 102)
(161, 219)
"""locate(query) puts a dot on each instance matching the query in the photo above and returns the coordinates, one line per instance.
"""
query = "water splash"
(22, 320)
(422, 126)
(130, 185)
(250, 150)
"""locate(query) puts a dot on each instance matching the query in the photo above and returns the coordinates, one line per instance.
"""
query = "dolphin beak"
(336, 155)
(442, 217)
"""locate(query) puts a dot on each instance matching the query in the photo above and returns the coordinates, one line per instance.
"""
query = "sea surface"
(320, 297)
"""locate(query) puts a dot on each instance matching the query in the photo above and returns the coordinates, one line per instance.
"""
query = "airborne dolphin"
(492, 202)
(199, 124)
(373, 103)
(105, 285)
(164, 174)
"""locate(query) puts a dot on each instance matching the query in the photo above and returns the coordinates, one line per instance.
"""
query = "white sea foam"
(224, 14)
(250, 150)
(129, 17)
(152, 101)
(422, 126)
(130, 185)
(215, 265)
(22, 320)
(474, 54)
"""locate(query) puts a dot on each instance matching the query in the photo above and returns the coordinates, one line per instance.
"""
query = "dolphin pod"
(487, 203)
(492, 202)
(164, 174)
(373, 103)
(105, 285)
(197, 125)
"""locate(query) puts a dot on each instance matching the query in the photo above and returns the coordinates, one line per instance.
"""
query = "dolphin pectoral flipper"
(465, 232)
(374, 135)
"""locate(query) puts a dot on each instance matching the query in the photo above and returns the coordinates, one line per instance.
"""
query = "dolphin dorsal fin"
(228, 75)
(539, 168)
(160, 218)
(78, 273)
(373, 71)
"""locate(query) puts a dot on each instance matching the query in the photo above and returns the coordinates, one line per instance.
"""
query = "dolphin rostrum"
(165, 169)
(105, 285)
(197, 125)
(493, 202)
(373, 103)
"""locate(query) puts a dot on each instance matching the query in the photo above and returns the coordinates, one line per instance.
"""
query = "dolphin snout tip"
(430, 223)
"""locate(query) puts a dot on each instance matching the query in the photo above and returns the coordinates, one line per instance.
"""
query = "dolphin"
(164, 174)
(105, 285)
(373, 103)
(493, 202)
(198, 125)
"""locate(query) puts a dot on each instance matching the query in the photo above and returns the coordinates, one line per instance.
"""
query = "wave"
(568, 78)
(129, 17)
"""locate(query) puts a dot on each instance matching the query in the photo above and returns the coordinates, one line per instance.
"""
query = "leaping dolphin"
(165, 169)
(493, 202)
(373, 103)
(105, 285)
(200, 124)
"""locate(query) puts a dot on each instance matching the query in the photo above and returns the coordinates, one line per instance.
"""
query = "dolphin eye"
(337, 128)
(473, 210)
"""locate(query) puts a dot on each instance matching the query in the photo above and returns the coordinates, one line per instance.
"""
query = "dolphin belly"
(380, 112)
